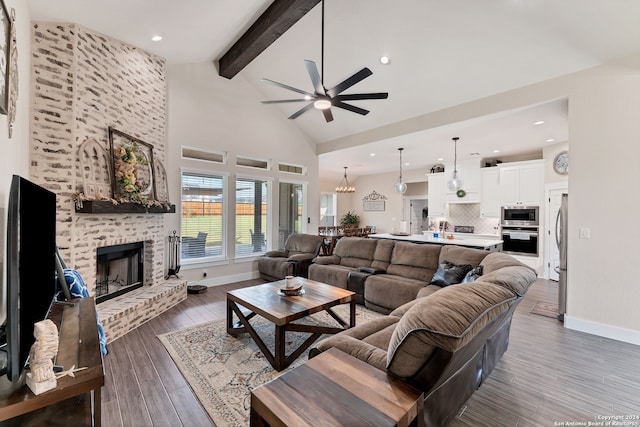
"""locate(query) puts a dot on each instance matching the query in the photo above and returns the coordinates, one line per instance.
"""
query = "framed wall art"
(373, 202)
(5, 49)
(133, 169)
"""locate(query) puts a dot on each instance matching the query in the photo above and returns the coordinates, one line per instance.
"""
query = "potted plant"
(350, 219)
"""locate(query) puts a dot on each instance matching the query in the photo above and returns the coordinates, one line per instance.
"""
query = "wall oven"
(520, 240)
(520, 229)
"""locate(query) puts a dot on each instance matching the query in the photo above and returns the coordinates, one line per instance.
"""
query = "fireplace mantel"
(106, 207)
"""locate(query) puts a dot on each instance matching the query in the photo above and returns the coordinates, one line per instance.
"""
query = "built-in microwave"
(522, 216)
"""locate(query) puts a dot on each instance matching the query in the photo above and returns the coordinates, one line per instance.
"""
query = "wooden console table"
(76, 400)
(339, 390)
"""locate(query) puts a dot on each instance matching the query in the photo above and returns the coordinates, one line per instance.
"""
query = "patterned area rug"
(544, 308)
(222, 370)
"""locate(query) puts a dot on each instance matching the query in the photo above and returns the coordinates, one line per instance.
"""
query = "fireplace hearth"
(119, 269)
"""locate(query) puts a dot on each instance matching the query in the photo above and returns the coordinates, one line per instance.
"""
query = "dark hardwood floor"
(549, 374)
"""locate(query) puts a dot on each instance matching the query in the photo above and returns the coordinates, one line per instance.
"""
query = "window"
(252, 163)
(252, 205)
(206, 155)
(328, 204)
(290, 210)
(289, 168)
(202, 219)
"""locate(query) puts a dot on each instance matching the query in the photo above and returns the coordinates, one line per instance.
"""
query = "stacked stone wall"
(82, 83)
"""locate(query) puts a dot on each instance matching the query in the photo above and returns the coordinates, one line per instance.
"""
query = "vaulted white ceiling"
(443, 53)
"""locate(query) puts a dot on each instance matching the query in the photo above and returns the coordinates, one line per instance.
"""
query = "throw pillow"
(449, 274)
(472, 275)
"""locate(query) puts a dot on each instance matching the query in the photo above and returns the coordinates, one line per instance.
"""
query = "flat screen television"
(30, 256)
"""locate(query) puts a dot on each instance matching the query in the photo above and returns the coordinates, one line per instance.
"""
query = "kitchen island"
(471, 242)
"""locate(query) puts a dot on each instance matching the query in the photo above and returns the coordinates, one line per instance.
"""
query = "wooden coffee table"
(265, 301)
(336, 389)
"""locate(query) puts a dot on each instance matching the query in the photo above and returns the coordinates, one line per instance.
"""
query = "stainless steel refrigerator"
(562, 231)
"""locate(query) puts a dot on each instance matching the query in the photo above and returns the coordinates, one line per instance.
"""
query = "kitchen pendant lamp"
(344, 186)
(401, 187)
(455, 183)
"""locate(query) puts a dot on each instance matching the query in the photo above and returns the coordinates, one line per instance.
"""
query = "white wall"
(604, 130)
(211, 112)
(15, 150)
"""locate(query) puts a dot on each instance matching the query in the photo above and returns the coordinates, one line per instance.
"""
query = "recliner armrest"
(301, 257)
(276, 254)
(371, 270)
(327, 260)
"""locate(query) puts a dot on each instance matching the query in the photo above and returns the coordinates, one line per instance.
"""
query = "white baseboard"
(602, 330)
(223, 280)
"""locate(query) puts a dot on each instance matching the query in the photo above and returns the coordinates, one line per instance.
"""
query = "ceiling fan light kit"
(344, 186)
(455, 183)
(401, 187)
(322, 98)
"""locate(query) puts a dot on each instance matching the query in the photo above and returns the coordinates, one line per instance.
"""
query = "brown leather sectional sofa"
(442, 340)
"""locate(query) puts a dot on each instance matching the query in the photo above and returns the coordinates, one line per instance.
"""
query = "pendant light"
(344, 186)
(401, 187)
(455, 183)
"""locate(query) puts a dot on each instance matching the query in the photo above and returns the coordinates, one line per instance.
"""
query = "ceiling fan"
(322, 98)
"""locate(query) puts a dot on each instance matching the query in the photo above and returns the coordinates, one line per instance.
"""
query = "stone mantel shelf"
(106, 207)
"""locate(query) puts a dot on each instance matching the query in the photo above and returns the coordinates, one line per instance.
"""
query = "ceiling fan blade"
(284, 86)
(359, 96)
(327, 115)
(346, 84)
(301, 111)
(282, 101)
(312, 69)
(350, 107)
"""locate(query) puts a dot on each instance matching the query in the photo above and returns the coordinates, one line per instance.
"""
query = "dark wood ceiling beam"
(277, 19)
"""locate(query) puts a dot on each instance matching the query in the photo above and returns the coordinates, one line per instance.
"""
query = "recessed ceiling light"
(440, 159)
(407, 163)
(496, 151)
(384, 60)
(539, 122)
(372, 154)
(156, 38)
(550, 140)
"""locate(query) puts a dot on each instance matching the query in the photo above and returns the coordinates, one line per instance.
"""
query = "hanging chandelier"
(401, 187)
(455, 183)
(344, 186)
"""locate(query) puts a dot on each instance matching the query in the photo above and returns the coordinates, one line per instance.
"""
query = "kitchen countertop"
(418, 238)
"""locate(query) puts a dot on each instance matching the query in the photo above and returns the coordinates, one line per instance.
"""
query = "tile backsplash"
(469, 214)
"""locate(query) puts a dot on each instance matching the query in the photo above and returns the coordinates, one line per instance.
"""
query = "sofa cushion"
(300, 243)
(447, 319)
(355, 251)
(497, 260)
(368, 342)
(450, 274)
(515, 278)
(461, 255)
(336, 275)
(414, 261)
(382, 255)
(385, 292)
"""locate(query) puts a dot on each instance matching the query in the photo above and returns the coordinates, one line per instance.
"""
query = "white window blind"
(202, 216)
(251, 215)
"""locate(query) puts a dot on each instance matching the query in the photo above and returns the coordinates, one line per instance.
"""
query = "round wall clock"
(561, 163)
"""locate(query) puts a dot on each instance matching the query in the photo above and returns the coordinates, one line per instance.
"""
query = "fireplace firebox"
(120, 269)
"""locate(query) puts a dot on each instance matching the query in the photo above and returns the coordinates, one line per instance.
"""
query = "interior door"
(555, 197)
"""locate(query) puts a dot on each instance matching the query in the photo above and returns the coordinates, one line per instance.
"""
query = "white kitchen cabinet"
(436, 202)
(469, 172)
(522, 183)
(490, 195)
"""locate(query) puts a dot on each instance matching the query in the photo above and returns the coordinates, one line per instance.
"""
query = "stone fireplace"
(84, 82)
